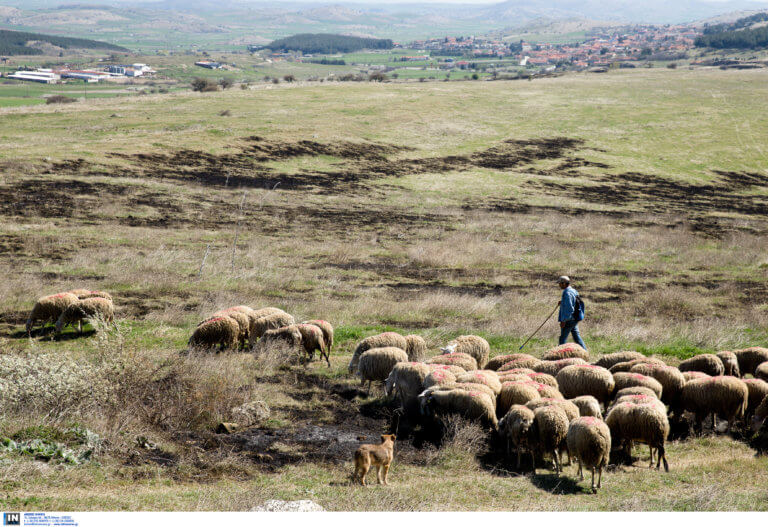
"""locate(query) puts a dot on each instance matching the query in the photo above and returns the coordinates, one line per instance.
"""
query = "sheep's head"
(425, 398)
(450, 348)
(389, 384)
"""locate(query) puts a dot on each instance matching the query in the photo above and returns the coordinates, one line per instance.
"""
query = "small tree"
(475, 76)
(377, 76)
(200, 84)
(225, 83)
(289, 78)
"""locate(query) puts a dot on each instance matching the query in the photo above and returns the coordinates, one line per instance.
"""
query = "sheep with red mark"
(486, 377)
(611, 359)
(406, 381)
(259, 326)
(82, 294)
(570, 409)
(645, 423)
(552, 367)
(627, 366)
(462, 360)
(549, 431)
(569, 350)
(690, 375)
(586, 379)
(94, 309)
(474, 346)
(624, 380)
(637, 390)
(286, 339)
(313, 339)
(515, 392)
(500, 360)
(761, 372)
(473, 405)
(708, 363)
(588, 406)
(438, 378)
(721, 396)
(670, 378)
(221, 331)
(49, 309)
(243, 323)
(327, 330)
(589, 442)
(389, 339)
(376, 364)
(516, 427)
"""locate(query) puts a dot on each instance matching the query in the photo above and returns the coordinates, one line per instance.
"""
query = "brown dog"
(377, 455)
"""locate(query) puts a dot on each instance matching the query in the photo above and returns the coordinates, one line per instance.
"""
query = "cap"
(563, 279)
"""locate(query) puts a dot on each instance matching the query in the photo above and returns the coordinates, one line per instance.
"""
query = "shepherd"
(571, 312)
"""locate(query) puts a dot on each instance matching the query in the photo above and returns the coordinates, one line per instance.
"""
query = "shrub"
(475, 76)
(289, 78)
(672, 65)
(204, 85)
(377, 76)
(59, 99)
(225, 83)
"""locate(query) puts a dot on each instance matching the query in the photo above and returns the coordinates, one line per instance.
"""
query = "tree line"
(737, 35)
(15, 43)
(327, 43)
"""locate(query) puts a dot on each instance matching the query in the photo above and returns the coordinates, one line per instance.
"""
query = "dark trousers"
(571, 327)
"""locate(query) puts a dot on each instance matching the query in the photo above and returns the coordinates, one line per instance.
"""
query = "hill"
(327, 43)
(22, 43)
(745, 33)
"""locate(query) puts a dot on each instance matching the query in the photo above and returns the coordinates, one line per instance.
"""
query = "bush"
(203, 85)
(377, 76)
(475, 76)
(225, 83)
(289, 78)
(275, 81)
(59, 99)
(672, 65)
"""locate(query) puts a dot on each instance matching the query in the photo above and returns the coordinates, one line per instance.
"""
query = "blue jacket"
(567, 304)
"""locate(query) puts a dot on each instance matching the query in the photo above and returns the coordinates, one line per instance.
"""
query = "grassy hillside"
(433, 208)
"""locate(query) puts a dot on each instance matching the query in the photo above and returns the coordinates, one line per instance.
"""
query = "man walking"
(568, 322)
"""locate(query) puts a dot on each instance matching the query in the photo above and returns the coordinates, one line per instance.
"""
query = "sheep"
(730, 363)
(439, 378)
(570, 409)
(472, 345)
(500, 360)
(313, 339)
(220, 330)
(637, 390)
(750, 358)
(722, 396)
(670, 378)
(650, 400)
(242, 319)
(606, 361)
(550, 428)
(261, 325)
(521, 361)
(551, 367)
(761, 372)
(706, 363)
(82, 294)
(94, 308)
(626, 366)
(589, 442)
(416, 347)
(761, 414)
(389, 339)
(624, 380)
(407, 380)
(267, 311)
(515, 392)
(566, 351)
(473, 405)
(515, 427)
(462, 360)
(690, 375)
(646, 423)
(476, 387)
(757, 391)
(487, 377)
(456, 370)
(49, 308)
(546, 391)
(515, 371)
(514, 377)
(286, 337)
(327, 330)
(585, 379)
(376, 364)
(588, 406)
(544, 378)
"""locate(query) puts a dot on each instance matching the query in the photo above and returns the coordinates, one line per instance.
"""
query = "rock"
(227, 428)
(251, 413)
(289, 506)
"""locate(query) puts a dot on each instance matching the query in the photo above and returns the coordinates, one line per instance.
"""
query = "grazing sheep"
(287, 337)
(570, 409)
(624, 380)
(515, 427)
(94, 308)
(588, 406)
(82, 294)
(500, 360)
(439, 378)
(645, 423)
(266, 311)
(376, 364)
(551, 367)
(670, 378)
(651, 400)
(515, 371)
(611, 359)
(327, 330)
(220, 330)
(462, 360)
(407, 380)
(566, 351)
(474, 346)
(513, 377)
(550, 428)
(690, 375)
(243, 323)
(750, 358)
(544, 378)
(730, 363)
(261, 325)
(638, 390)
(546, 391)
(589, 442)
(520, 362)
(473, 405)
(49, 308)
(761, 372)
(758, 390)
(585, 379)
(705, 363)
(626, 366)
(515, 392)
(416, 347)
(722, 396)
(389, 339)
(487, 377)
(313, 339)
(476, 387)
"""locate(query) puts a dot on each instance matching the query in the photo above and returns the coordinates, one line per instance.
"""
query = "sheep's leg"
(650, 449)
(662, 457)
(594, 489)
(714, 423)
(581, 472)
(557, 461)
(600, 477)
(517, 466)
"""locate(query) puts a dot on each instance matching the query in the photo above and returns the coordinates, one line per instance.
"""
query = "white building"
(44, 76)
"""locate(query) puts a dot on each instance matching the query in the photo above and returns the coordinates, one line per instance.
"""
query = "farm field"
(439, 209)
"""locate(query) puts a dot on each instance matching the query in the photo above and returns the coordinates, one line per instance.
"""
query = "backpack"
(578, 310)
